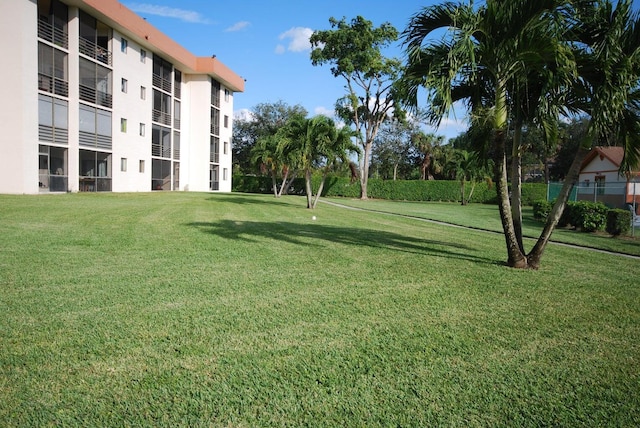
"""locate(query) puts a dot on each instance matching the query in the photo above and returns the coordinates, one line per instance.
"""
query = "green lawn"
(187, 309)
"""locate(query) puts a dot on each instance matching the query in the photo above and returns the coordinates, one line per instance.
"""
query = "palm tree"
(488, 51)
(511, 61)
(427, 145)
(607, 47)
(467, 167)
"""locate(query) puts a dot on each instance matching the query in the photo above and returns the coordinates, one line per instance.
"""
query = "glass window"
(141, 165)
(123, 85)
(142, 129)
(143, 93)
(225, 174)
(226, 121)
(123, 45)
(123, 164)
(143, 56)
(123, 124)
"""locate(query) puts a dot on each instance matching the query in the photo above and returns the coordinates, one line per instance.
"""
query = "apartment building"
(96, 100)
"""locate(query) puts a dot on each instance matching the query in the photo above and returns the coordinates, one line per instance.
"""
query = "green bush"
(618, 222)
(541, 209)
(589, 216)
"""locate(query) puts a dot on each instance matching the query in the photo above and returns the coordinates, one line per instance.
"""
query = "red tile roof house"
(600, 179)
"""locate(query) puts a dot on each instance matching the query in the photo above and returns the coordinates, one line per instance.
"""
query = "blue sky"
(267, 43)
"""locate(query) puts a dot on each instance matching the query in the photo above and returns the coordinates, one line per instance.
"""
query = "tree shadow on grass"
(319, 235)
(247, 199)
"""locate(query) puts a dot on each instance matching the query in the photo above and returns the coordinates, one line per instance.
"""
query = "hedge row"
(587, 216)
(401, 190)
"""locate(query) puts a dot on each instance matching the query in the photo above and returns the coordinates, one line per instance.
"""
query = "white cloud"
(324, 111)
(169, 12)
(280, 49)
(298, 39)
(238, 26)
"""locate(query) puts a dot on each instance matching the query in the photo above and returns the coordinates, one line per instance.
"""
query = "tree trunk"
(315, 200)
(516, 183)
(365, 170)
(463, 201)
(515, 257)
(309, 190)
(274, 183)
(284, 182)
(395, 171)
(533, 258)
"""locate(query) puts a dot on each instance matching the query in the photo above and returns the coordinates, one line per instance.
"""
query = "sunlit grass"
(189, 309)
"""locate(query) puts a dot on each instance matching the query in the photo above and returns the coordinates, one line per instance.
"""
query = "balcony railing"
(52, 34)
(94, 51)
(53, 85)
(94, 96)
(161, 117)
(161, 83)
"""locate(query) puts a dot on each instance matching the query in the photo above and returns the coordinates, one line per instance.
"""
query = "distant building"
(97, 99)
(600, 179)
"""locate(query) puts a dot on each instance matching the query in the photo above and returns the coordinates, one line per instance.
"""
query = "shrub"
(618, 222)
(589, 216)
(541, 209)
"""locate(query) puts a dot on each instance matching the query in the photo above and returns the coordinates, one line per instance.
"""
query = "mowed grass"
(487, 217)
(187, 309)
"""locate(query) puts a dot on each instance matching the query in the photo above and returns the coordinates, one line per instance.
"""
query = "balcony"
(161, 83)
(57, 36)
(53, 85)
(94, 51)
(91, 95)
(161, 117)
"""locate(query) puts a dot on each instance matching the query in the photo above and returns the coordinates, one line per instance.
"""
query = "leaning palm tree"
(487, 51)
(607, 46)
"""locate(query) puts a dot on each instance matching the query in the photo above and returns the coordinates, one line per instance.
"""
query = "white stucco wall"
(19, 107)
(129, 105)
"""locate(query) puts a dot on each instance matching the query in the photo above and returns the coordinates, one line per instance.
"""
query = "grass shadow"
(316, 234)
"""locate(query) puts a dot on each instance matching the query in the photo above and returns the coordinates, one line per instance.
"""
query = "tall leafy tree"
(392, 153)
(427, 145)
(354, 51)
(263, 120)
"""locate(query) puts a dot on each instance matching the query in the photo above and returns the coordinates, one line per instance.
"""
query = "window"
(95, 83)
(226, 121)
(599, 182)
(95, 171)
(123, 164)
(215, 121)
(95, 127)
(225, 174)
(161, 107)
(123, 125)
(143, 56)
(215, 93)
(53, 120)
(141, 166)
(177, 83)
(95, 38)
(123, 45)
(142, 129)
(123, 85)
(226, 95)
(226, 147)
(143, 93)
(52, 70)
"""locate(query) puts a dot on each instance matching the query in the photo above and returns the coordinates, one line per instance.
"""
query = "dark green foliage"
(618, 222)
(541, 209)
(399, 190)
(584, 215)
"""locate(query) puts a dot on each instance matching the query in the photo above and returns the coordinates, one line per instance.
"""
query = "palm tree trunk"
(309, 191)
(274, 183)
(284, 183)
(515, 257)
(315, 200)
(463, 201)
(516, 183)
(533, 258)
